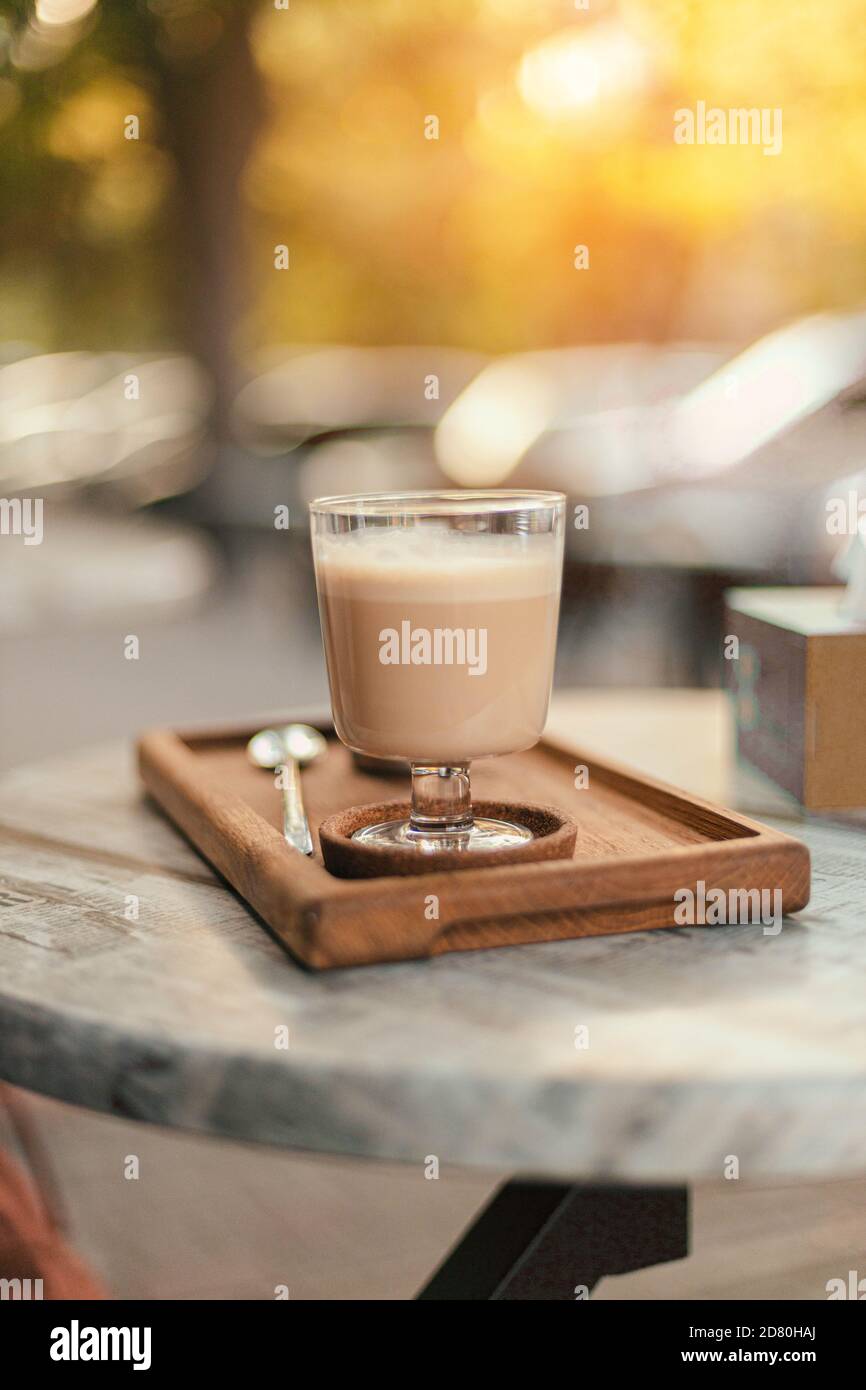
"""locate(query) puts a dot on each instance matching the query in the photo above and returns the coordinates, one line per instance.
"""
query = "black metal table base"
(540, 1240)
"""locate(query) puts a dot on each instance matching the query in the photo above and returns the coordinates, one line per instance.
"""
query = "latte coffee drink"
(439, 642)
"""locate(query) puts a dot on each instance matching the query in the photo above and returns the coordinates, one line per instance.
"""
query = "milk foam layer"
(424, 562)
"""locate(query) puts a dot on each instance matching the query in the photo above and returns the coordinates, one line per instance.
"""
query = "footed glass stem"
(441, 817)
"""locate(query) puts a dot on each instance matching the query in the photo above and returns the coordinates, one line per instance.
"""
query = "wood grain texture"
(639, 842)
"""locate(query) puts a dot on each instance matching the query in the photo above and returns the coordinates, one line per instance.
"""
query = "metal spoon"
(291, 747)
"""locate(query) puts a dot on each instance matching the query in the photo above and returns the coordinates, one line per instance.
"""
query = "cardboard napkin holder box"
(798, 678)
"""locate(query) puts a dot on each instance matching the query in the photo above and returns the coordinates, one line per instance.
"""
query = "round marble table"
(134, 982)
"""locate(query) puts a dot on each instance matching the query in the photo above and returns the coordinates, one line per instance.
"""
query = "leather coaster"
(554, 837)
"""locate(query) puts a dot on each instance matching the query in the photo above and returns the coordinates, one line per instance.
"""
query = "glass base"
(481, 834)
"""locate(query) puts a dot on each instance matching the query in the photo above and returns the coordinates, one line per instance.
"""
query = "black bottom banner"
(75, 1338)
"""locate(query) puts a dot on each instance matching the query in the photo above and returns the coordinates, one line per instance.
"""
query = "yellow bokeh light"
(575, 69)
(90, 125)
(63, 11)
(485, 432)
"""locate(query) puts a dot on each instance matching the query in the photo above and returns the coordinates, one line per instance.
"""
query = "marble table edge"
(597, 1129)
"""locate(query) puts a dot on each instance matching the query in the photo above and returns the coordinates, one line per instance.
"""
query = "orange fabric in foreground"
(30, 1245)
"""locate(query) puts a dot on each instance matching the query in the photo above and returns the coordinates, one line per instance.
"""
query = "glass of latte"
(439, 613)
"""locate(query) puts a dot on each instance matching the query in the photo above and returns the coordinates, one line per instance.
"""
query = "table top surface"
(133, 981)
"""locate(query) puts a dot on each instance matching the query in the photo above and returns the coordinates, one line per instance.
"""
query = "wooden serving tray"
(638, 842)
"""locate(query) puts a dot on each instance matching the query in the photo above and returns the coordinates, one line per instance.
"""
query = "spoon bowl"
(290, 747)
(270, 747)
(303, 742)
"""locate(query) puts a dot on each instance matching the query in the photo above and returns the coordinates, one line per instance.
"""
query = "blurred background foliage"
(304, 126)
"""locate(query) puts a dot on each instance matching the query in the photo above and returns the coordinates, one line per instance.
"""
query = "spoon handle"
(296, 828)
